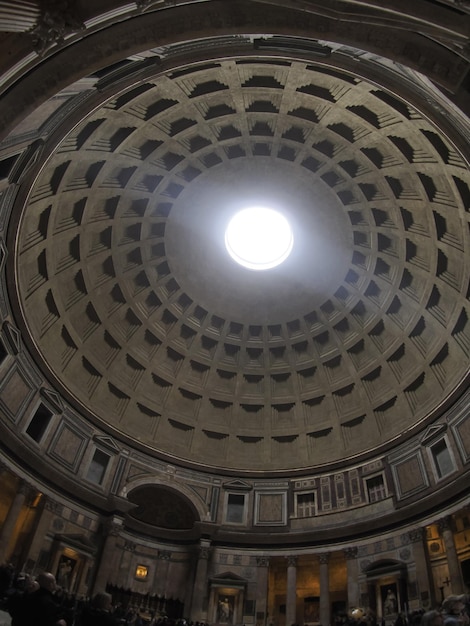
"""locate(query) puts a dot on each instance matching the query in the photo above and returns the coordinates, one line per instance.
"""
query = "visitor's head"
(46, 580)
(454, 611)
(432, 618)
(102, 601)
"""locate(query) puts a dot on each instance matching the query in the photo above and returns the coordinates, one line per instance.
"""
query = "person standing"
(41, 608)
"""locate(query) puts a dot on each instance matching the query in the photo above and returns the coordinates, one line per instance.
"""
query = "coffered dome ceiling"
(141, 318)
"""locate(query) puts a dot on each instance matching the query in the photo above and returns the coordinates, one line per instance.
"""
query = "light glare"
(259, 238)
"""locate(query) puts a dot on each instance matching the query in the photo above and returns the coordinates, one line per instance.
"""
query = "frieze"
(445, 524)
(405, 554)
(416, 535)
(350, 553)
(54, 507)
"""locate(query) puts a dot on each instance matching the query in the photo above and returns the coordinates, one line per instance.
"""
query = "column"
(291, 596)
(453, 563)
(350, 555)
(325, 617)
(112, 530)
(199, 603)
(425, 590)
(6, 534)
(262, 580)
(82, 588)
(164, 558)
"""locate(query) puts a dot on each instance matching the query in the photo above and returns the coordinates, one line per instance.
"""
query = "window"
(98, 466)
(442, 458)
(39, 423)
(235, 508)
(3, 352)
(305, 504)
(376, 488)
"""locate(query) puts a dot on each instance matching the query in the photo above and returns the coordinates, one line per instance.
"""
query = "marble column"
(262, 580)
(350, 555)
(325, 613)
(106, 568)
(163, 564)
(199, 602)
(81, 586)
(6, 533)
(291, 595)
(453, 563)
(425, 590)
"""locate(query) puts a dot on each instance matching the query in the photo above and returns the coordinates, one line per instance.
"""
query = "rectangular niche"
(16, 393)
(271, 508)
(410, 475)
(68, 445)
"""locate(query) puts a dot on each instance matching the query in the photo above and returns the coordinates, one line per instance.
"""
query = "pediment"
(53, 399)
(433, 432)
(107, 442)
(237, 485)
(77, 541)
(228, 579)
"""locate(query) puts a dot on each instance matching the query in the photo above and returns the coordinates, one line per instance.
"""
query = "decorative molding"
(416, 535)
(433, 432)
(56, 21)
(53, 399)
(350, 553)
(291, 561)
(12, 336)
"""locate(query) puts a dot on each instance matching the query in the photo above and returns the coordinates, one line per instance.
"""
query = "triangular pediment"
(237, 485)
(52, 398)
(77, 541)
(229, 576)
(107, 442)
(228, 580)
(433, 432)
(12, 337)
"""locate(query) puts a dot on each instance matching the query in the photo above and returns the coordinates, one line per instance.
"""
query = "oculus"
(259, 238)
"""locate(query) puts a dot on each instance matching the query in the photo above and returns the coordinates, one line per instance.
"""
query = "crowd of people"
(40, 601)
(453, 611)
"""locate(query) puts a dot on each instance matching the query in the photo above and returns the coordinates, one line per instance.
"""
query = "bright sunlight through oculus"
(259, 238)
